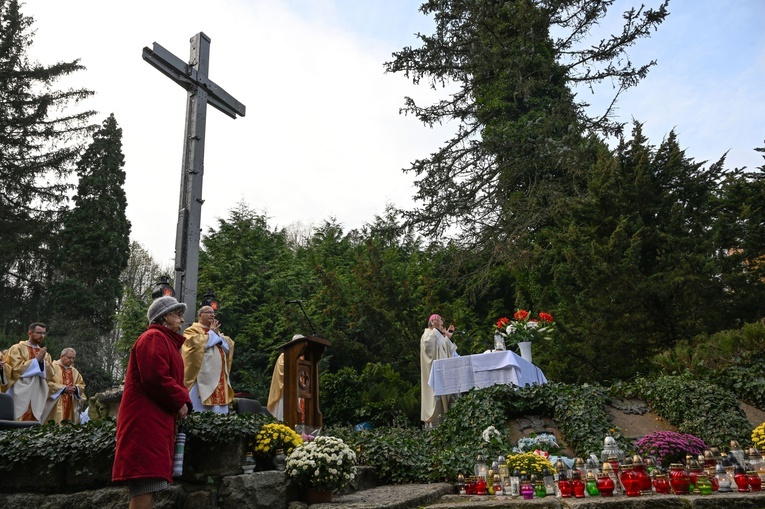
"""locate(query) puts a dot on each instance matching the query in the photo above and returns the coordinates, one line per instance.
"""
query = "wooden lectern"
(301, 380)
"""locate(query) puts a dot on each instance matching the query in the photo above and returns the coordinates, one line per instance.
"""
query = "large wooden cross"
(201, 92)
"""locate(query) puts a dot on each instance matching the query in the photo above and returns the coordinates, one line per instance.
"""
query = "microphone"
(293, 301)
(458, 332)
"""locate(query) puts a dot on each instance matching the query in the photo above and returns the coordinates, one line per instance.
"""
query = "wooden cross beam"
(201, 92)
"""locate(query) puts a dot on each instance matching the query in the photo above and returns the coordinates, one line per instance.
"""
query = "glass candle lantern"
(591, 484)
(460, 485)
(481, 469)
(611, 448)
(504, 473)
(497, 485)
(630, 481)
(580, 466)
(650, 465)
(723, 479)
(499, 342)
(577, 485)
(710, 472)
(539, 489)
(480, 486)
(527, 490)
(515, 483)
(703, 485)
(609, 471)
(549, 481)
(641, 475)
(709, 458)
(470, 485)
(755, 484)
(564, 485)
(605, 485)
(249, 463)
(741, 480)
(679, 479)
(280, 460)
(661, 484)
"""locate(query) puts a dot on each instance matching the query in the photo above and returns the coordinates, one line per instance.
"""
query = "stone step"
(440, 496)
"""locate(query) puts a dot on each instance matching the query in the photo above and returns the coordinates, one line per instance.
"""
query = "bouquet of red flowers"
(524, 327)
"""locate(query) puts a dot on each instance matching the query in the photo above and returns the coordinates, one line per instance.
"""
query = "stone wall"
(259, 490)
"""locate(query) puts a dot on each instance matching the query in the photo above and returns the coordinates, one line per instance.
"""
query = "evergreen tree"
(94, 248)
(252, 270)
(522, 139)
(637, 264)
(38, 149)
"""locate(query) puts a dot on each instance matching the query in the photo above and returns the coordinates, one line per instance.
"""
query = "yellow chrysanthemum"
(272, 437)
(758, 436)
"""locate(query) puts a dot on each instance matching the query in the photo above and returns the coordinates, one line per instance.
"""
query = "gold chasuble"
(30, 392)
(208, 368)
(62, 406)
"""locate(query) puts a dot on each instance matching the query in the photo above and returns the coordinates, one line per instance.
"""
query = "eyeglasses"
(207, 313)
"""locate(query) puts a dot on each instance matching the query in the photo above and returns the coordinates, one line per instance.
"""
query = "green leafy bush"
(224, 428)
(696, 407)
(399, 455)
(729, 358)
(58, 443)
(378, 395)
(340, 396)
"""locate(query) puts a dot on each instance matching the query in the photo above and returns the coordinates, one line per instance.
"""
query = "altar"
(460, 374)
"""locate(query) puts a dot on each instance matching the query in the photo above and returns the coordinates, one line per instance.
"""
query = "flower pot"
(313, 496)
(525, 348)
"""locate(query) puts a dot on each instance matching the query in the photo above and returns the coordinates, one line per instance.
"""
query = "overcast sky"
(322, 136)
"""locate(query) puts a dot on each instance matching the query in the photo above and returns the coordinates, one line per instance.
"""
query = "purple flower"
(670, 446)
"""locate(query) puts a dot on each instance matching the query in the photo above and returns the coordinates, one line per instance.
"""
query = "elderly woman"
(154, 397)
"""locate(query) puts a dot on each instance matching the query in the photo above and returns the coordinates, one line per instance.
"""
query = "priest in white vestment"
(28, 374)
(207, 357)
(435, 344)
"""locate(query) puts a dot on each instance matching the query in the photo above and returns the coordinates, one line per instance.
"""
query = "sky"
(322, 137)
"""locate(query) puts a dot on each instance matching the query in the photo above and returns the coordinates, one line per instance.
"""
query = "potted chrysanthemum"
(274, 442)
(321, 467)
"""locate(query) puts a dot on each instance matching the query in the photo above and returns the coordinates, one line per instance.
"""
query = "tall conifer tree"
(95, 244)
(38, 149)
(522, 139)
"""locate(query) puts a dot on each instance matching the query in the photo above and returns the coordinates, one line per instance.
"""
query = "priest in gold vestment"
(66, 389)
(28, 369)
(207, 356)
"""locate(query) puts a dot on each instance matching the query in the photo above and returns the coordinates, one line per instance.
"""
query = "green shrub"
(696, 407)
(58, 443)
(224, 428)
(340, 396)
(378, 395)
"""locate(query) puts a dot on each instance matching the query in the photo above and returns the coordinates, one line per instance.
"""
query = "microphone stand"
(313, 329)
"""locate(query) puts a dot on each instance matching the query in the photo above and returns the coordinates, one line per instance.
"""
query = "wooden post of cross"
(201, 92)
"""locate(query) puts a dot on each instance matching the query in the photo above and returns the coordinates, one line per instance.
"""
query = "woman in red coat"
(154, 397)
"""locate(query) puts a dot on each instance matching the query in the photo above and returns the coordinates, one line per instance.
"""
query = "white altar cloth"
(460, 374)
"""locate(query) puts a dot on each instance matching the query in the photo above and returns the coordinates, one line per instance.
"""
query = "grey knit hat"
(163, 306)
